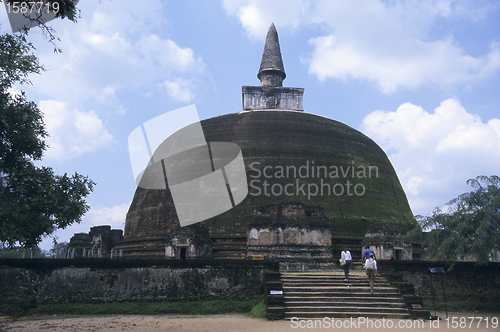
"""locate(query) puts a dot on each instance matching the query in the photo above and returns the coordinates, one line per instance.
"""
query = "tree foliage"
(20, 252)
(66, 10)
(469, 227)
(56, 248)
(34, 200)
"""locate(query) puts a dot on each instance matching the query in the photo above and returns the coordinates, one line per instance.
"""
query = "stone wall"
(106, 280)
(465, 282)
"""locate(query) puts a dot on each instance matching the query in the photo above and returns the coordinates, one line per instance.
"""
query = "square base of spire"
(269, 98)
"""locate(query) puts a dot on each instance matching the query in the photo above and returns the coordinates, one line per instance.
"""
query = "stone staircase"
(319, 295)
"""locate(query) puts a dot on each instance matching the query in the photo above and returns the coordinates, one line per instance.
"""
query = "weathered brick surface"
(292, 140)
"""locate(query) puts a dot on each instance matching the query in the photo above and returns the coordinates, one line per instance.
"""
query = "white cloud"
(113, 216)
(72, 132)
(112, 49)
(435, 153)
(439, 62)
(14, 90)
(180, 90)
(257, 15)
(388, 43)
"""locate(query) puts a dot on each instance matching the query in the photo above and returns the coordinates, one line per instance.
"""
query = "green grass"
(465, 306)
(259, 310)
(207, 307)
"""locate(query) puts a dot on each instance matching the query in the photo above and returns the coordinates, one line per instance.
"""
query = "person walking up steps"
(346, 260)
(367, 253)
(371, 270)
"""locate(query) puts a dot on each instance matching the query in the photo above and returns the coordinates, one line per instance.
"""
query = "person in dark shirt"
(367, 252)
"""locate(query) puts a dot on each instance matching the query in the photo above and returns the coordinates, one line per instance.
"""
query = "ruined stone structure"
(189, 242)
(288, 231)
(98, 243)
(388, 242)
(315, 185)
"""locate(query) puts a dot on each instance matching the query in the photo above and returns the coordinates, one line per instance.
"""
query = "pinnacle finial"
(271, 72)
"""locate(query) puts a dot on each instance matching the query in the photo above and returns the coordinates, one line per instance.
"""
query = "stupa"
(314, 184)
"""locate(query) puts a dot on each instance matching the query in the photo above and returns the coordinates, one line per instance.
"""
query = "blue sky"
(421, 78)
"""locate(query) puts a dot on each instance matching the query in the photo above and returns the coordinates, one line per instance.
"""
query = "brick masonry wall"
(465, 282)
(81, 282)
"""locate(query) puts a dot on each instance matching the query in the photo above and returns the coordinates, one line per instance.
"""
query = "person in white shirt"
(345, 261)
(371, 270)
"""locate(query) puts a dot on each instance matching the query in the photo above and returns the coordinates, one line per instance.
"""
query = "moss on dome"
(281, 139)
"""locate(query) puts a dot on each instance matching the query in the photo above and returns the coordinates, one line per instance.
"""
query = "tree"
(57, 247)
(63, 9)
(469, 227)
(34, 201)
(19, 252)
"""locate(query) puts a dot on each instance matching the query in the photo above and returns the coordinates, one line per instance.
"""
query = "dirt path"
(222, 323)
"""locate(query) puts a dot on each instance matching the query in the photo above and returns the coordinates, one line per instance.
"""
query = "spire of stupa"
(271, 95)
(272, 72)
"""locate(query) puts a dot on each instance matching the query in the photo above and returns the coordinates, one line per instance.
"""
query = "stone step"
(325, 299)
(305, 275)
(343, 283)
(336, 284)
(365, 295)
(379, 283)
(318, 295)
(333, 273)
(355, 304)
(336, 277)
(339, 290)
(329, 278)
(388, 310)
(333, 282)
